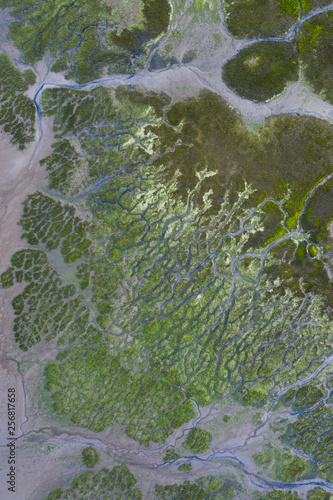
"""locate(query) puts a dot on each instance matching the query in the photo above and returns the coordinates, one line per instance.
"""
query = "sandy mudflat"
(20, 174)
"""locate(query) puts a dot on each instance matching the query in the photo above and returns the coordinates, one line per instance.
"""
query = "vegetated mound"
(198, 440)
(262, 70)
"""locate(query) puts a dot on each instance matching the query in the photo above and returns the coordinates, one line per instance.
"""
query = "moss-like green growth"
(262, 70)
(30, 76)
(55, 494)
(318, 494)
(278, 495)
(171, 454)
(48, 223)
(198, 440)
(61, 165)
(117, 483)
(46, 308)
(17, 112)
(187, 467)
(226, 418)
(90, 457)
(289, 468)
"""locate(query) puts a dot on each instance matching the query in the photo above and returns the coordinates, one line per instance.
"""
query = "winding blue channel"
(293, 30)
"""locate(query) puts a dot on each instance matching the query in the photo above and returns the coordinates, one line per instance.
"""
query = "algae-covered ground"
(168, 307)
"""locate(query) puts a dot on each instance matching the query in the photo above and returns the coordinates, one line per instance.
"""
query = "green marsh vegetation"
(159, 249)
(318, 213)
(198, 440)
(171, 454)
(205, 487)
(315, 45)
(186, 467)
(17, 112)
(90, 457)
(262, 70)
(318, 494)
(47, 307)
(88, 39)
(116, 483)
(260, 18)
(278, 495)
(312, 401)
(120, 483)
(283, 466)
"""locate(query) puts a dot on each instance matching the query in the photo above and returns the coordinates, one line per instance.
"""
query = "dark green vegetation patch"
(186, 467)
(203, 488)
(171, 454)
(315, 45)
(278, 495)
(198, 440)
(283, 466)
(262, 70)
(119, 483)
(261, 18)
(17, 112)
(318, 494)
(87, 39)
(90, 457)
(318, 213)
